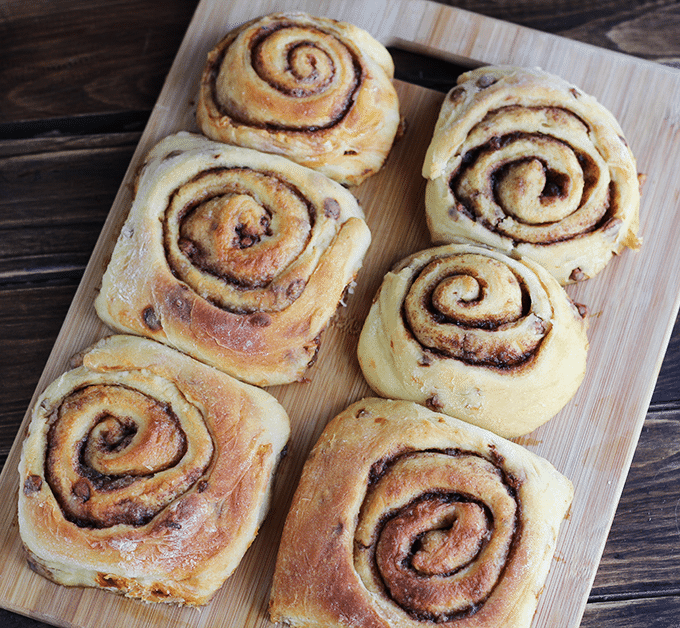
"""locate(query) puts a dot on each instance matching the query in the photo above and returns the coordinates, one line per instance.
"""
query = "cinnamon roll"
(524, 161)
(235, 257)
(405, 518)
(146, 473)
(313, 89)
(473, 333)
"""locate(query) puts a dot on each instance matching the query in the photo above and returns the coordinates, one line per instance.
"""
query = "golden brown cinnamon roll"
(405, 518)
(471, 332)
(146, 473)
(233, 256)
(523, 161)
(313, 89)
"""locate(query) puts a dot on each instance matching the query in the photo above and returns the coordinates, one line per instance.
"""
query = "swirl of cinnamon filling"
(522, 160)
(477, 334)
(308, 78)
(478, 309)
(146, 472)
(407, 517)
(435, 532)
(115, 455)
(236, 257)
(316, 90)
(239, 238)
(531, 186)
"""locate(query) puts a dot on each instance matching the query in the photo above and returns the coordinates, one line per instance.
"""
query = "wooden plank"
(620, 26)
(662, 612)
(666, 390)
(11, 620)
(30, 318)
(592, 440)
(649, 506)
(81, 182)
(55, 203)
(68, 57)
(65, 59)
(54, 142)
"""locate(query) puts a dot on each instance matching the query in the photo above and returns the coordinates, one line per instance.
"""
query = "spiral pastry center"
(237, 238)
(534, 194)
(454, 290)
(476, 308)
(447, 536)
(117, 456)
(301, 77)
(301, 68)
(120, 445)
(435, 532)
(533, 174)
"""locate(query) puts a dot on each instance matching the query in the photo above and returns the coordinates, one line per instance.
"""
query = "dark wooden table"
(78, 79)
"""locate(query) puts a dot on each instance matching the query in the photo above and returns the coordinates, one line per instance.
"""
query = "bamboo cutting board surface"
(632, 304)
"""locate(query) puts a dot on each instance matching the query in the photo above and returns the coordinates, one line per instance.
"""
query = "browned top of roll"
(236, 257)
(316, 90)
(524, 161)
(405, 518)
(146, 472)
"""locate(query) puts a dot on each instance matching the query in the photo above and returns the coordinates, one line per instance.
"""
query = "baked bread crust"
(235, 257)
(523, 161)
(385, 473)
(473, 333)
(146, 473)
(316, 90)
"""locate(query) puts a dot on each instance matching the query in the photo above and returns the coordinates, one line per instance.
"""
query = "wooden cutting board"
(633, 304)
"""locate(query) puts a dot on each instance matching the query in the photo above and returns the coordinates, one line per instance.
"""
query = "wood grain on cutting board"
(633, 304)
